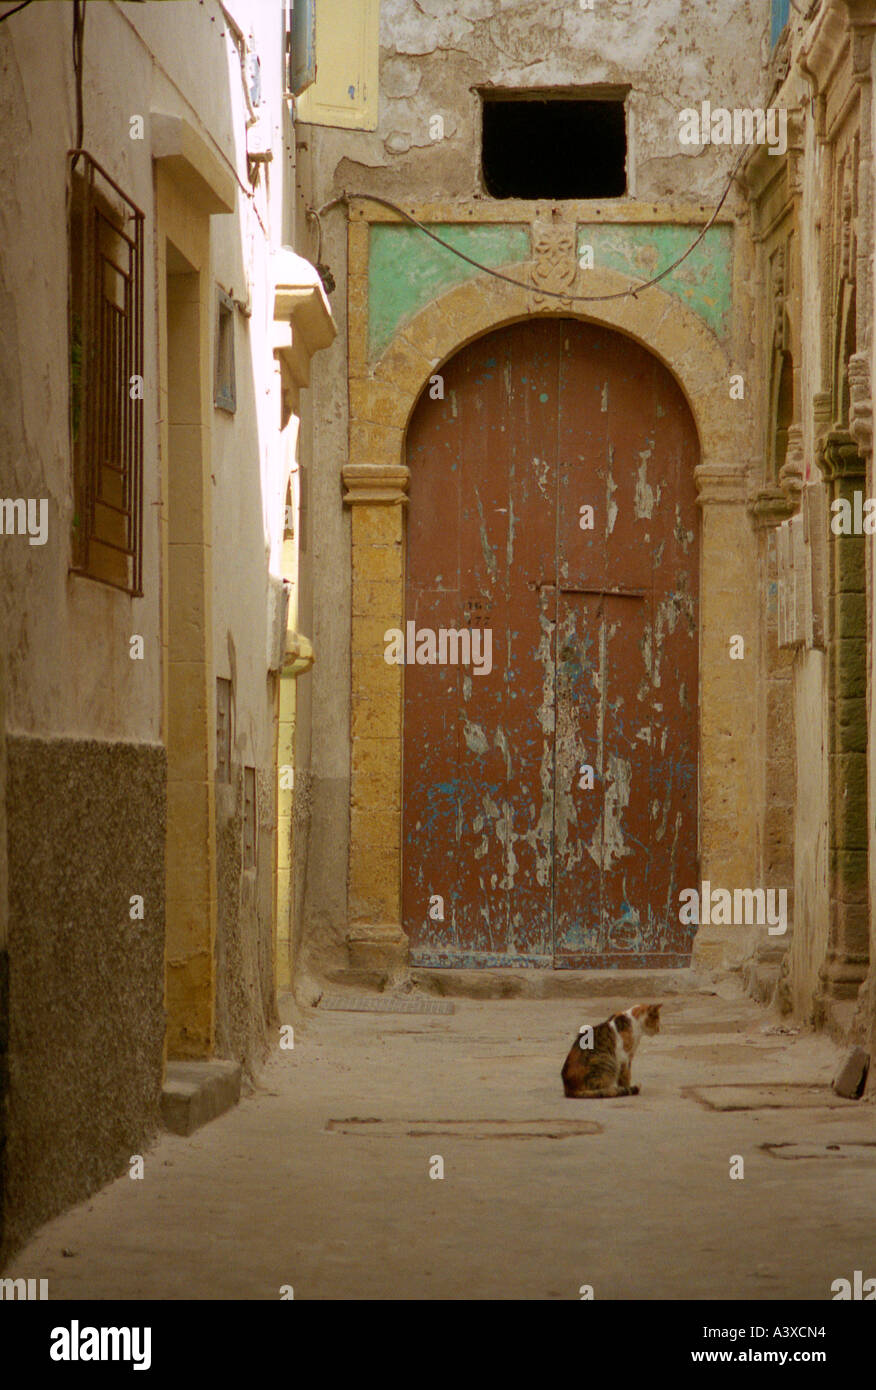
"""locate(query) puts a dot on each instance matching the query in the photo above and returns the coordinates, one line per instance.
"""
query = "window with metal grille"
(223, 729)
(106, 377)
(249, 818)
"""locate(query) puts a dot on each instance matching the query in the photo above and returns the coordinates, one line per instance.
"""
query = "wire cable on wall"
(78, 47)
(23, 6)
(316, 214)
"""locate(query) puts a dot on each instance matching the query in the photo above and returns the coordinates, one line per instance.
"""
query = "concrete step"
(196, 1092)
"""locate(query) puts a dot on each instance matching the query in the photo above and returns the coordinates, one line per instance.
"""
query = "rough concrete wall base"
(86, 830)
(325, 923)
(245, 1007)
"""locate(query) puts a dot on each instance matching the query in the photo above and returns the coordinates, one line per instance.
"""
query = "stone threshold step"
(196, 1092)
(632, 985)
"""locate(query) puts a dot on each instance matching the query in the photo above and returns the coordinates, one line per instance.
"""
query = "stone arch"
(659, 321)
(382, 398)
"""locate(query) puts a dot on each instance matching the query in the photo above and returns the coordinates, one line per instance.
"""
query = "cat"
(603, 1070)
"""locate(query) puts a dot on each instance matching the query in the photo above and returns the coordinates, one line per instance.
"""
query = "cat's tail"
(607, 1093)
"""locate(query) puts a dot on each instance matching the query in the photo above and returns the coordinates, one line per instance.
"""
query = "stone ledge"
(196, 1092)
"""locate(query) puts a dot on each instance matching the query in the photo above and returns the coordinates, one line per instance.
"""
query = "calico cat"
(603, 1070)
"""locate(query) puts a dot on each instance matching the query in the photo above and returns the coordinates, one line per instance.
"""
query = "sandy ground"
(272, 1194)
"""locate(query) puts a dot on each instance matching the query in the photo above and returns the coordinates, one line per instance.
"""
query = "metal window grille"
(106, 356)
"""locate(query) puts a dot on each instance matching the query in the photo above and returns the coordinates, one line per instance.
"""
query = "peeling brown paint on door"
(508, 858)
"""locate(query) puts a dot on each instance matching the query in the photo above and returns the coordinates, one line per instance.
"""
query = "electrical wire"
(509, 279)
(78, 48)
(23, 6)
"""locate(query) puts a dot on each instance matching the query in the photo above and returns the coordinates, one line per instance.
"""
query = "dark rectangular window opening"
(224, 385)
(542, 146)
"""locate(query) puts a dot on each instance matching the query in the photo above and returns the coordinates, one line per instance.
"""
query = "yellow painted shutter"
(345, 90)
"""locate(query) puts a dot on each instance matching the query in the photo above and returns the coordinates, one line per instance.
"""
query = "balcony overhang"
(303, 322)
(178, 148)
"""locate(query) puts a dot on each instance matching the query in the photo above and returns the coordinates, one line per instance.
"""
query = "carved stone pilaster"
(861, 408)
(792, 474)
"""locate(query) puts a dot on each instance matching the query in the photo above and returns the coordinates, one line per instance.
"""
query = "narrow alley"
(437, 644)
(319, 1179)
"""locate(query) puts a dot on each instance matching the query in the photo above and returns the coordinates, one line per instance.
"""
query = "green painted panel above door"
(407, 270)
(703, 281)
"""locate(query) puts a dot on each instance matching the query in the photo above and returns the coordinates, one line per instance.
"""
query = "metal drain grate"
(385, 1004)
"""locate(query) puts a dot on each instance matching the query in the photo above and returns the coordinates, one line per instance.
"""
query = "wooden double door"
(550, 793)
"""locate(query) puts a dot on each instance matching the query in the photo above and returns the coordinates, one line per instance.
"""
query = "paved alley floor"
(320, 1179)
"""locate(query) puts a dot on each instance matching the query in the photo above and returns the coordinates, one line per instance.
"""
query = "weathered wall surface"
(245, 1000)
(434, 56)
(812, 218)
(87, 794)
(47, 618)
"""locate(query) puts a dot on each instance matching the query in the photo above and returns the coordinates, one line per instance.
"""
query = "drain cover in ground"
(385, 1004)
(376, 1128)
(780, 1095)
(866, 1150)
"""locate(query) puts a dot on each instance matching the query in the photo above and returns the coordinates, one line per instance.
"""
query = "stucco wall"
(47, 619)
(87, 792)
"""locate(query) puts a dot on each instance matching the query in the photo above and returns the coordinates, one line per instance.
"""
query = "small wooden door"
(550, 794)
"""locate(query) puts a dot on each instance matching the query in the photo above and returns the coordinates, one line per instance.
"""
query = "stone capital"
(838, 457)
(720, 484)
(382, 485)
(769, 507)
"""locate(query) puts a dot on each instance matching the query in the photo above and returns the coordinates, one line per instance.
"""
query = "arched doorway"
(550, 655)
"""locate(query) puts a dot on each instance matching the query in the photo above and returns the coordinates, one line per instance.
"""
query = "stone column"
(376, 495)
(728, 762)
(846, 959)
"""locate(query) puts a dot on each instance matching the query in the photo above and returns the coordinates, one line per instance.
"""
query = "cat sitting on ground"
(602, 1070)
